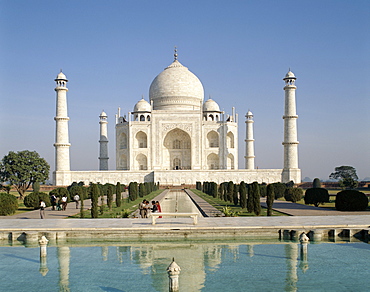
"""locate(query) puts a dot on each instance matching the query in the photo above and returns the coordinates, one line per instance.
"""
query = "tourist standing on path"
(142, 210)
(158, 208)
(53, 200)
(42, 209)
(147, 209)
(76, 198)
(64, 202)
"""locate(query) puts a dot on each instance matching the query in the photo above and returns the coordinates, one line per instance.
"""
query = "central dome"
(176, 88)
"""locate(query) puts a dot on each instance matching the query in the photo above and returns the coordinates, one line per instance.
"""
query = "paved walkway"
(294, 209)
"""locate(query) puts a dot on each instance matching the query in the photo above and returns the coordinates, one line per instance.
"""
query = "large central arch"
(177, 150)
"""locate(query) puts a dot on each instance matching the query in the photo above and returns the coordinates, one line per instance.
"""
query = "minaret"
(249, 142)
(103, 142)
(291, 170)
(61, 134)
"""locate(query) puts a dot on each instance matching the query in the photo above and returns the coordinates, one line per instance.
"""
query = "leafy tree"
(351, 200)
(6, 188)
(347, 176)
(95, 191)
(22, 169)
(293, 194)
(8, 204)
(36, 186)
(279, 189)
(270, 198)
(316, 196)
(316, 183)
(243, 195)
(60, 192)
(118, 194)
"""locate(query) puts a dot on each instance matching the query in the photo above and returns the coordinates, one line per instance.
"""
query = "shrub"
(94, 200)
(293, 194)
(198, 185)
(33, 200)
(118, 194)
(36, 186)
(279, 189)
(133, 191)
(351, 200)
(8, 204)
(316, 196)
(262, 188)
(60, 192)
(316, 183)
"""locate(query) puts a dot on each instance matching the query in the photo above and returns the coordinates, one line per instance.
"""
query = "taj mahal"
(176, 138)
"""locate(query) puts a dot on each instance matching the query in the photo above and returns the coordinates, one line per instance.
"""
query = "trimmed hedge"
(33, 200)
(293, 194)
(316, 196)
(8, 204)
(351, 200)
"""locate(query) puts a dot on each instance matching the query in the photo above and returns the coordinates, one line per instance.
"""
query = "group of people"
(145, 208)
(57, 204)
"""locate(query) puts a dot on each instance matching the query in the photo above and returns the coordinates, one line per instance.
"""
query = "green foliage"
(142, 191)
(23, 168)
(316, 196)
(348, 183)
(95, 192)
(60, 192)
(351, 200)
(230, 191)
(289, 184)
(262, 188)
(279, 189)
(342, 172)
(110, 196)
(198, 185)
(316, 183)
(236, 194)
(256, 198)
(250, 201)
(8, 204)
(229, 213)
(6, 188)
(77, 190)
(293, 194)
(133, 191)
(118, 195)
(243, 195)
(36, 186)
(33, 200)
(270, 198)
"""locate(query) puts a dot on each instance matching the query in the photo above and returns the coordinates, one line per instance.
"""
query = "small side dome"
(142, 106)
(290, 75)
(211, 106)
(61, 76)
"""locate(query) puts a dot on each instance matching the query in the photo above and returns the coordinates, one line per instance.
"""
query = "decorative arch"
(212, 139)
(177, 150)
(123, 141)
(123, 162)
(230, 161)
(230, 140)
(141, 140)
(141, 162)
(213, 161)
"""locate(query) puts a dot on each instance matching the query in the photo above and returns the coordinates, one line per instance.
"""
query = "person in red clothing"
(158, 208)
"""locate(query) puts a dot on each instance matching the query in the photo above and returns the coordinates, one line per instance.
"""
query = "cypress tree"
(94, 200)
(243, 195)
(316, 183)
(230, 191)
(250, 201)
(236, 194)
(141, 190)
(118, 194)
(110, 197)
(214, 189)
(270, 198)
(256, 199)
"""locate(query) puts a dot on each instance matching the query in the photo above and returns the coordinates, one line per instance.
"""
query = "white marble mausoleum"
(176, 137)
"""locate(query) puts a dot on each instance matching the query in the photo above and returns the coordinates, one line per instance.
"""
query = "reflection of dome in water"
(211, 106)
(176, 88)
(142, 106)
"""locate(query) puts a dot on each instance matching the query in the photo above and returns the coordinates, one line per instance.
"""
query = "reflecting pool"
(205, 266)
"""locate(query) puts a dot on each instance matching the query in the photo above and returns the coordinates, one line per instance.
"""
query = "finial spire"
(175, 54)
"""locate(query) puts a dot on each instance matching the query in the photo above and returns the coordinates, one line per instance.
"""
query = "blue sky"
(240, 50)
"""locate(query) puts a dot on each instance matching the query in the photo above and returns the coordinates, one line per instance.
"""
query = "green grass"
(117, 212)
(219, 204)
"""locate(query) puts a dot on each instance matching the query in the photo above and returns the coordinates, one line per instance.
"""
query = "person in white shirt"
(76, 198)
(42, 209)
(64, 202)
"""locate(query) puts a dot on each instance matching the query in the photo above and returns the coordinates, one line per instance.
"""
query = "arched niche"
(141, 162)
(177, 150)
(141, 140)
(212, 139)
(213, 161)
(123, 162)
(123, 141)
(230, 161)
(230, 140)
